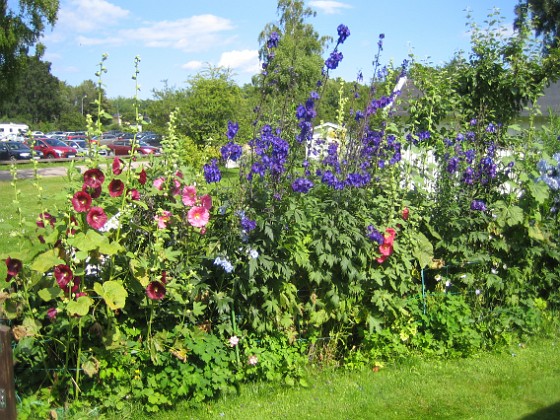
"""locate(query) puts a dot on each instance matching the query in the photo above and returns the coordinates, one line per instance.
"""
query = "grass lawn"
(520, 382)
(53, 194)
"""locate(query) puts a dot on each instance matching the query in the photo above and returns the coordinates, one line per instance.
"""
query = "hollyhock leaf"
(46, 261)
(91, 367)
(423, 250)
(539, 191)
(113, 293)
(32, 326)
(80, 306)
(49, 293)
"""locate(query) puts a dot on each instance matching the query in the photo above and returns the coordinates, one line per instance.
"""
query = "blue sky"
(176, 39)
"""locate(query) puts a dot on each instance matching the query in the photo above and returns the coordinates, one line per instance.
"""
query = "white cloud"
(329, 7)
(192, 65)
(245, 61)
(90, 15)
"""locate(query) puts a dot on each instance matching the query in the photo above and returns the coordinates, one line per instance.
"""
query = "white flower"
(233, 340)
(447, 283)
(253, 253)
(477, 292)
(253, 360)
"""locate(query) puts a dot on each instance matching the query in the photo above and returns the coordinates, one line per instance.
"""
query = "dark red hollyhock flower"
(116, 188)
(134, 194)
(405, 213)
(93, 178)
(142, 177)
(96, 217)
(14, 267)
(45, 217)
(75, 286)
(164, 277)
(93, 192)
(155, 290)
(117, 166)
(81, 201)
(63, 275)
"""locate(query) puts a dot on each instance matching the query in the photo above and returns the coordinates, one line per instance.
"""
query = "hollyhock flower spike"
(81, 201)
(96, 217)
(93, 178)
(405, 213)
(13, 266)
(155, 290)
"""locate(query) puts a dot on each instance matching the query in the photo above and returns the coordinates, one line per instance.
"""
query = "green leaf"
(423, 250)
(539, 191)
(80, 306)
(46, 261)
(113, 293)
(49, 293)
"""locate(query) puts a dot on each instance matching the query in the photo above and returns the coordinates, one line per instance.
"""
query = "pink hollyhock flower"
(116, 188)
(81, 201)
(233, 341)
(202, 231)
(96, 217)
(158, 183)
(51, 313)
(155, 290)
(93, 178)
(198, 216)
(63, 275)
(389, 236)
(386, 249)
(80, 294)
(117, 166)
(189, 195)
(142, 177)
(134, 194)
(45, 217)
(405, 213)
(382, 259)
(162, 219)
(14, 267)
(206, 201)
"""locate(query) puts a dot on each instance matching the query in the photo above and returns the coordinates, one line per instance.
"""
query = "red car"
(53, 148)
(124, 147)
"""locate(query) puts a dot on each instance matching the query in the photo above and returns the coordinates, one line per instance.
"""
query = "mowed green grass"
(34, 197)
(518, 382)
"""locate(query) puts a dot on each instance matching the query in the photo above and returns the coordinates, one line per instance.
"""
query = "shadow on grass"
(552, 412)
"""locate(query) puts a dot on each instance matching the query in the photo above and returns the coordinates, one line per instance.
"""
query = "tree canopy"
(545, 19)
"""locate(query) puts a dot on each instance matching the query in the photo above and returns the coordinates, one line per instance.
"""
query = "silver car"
(82, 147)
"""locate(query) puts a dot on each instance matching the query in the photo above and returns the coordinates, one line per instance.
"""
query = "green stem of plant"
(234, 327)
(78, 358)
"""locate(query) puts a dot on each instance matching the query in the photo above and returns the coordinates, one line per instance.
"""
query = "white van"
(12, 130)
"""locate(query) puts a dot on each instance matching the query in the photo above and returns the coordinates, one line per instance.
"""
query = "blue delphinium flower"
(232, 130)
(224, 263)
(302, 185)
(478, 205)
(248, 224)
(343, 33)
(374, 235)
(212, 172)
(231, 151)
(273, 40)
(333, 60)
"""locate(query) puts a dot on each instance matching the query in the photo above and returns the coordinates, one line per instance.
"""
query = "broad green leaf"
(80, 306)
(113, 293)
(49, 293)
(535, 233)
(46, 261)
(423, 250)
(539, 191)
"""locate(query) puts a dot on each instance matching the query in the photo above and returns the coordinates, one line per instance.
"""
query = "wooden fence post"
(7, 385)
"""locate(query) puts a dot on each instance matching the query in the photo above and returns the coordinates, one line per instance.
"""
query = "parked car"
(54, 134)
(37, 134)
(152, 139)
(124, 147)
(15, 150)
(75, 136)
(104, 139)
(53, 148)
(83, 150)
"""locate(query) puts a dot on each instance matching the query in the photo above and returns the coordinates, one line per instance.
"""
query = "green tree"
(297, 64)
(545, 18)
(19, 30)
(36, 95)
